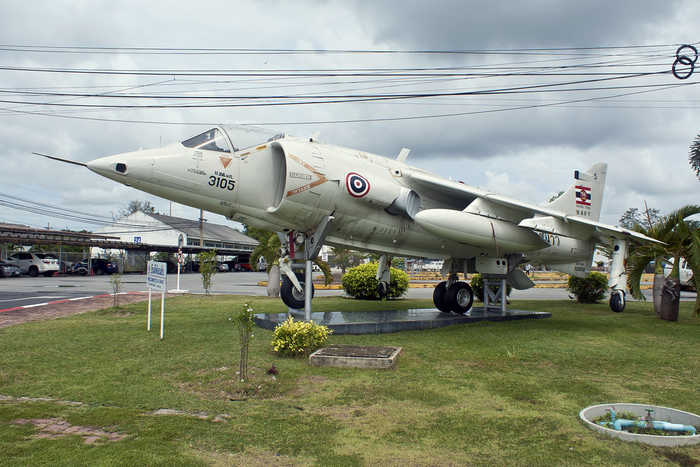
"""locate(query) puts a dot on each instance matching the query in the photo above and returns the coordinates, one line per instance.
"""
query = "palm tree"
(681, 239)
(694, 156)
(268, 248)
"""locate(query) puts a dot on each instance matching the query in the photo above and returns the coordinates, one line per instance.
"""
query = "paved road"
(31, 290)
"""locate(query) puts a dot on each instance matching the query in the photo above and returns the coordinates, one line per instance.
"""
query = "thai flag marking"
(583, 195)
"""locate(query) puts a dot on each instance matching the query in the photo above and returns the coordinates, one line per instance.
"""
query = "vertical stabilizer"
(584, 197)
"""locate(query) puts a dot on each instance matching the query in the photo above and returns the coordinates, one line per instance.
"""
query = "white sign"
(156, 275)
(157, 279)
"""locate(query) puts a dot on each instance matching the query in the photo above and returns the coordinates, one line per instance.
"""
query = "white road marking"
(31, 298)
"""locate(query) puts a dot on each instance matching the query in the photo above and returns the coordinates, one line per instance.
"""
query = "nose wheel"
(457, 298)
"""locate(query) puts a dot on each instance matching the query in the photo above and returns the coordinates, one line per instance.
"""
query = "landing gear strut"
(297, 288)
(383, 276)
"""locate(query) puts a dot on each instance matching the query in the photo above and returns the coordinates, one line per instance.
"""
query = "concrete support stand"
(494, 291)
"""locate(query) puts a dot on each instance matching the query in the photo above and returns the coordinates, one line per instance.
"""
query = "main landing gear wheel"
(617, 301)
(439, 297)
(290, 295)
(459, 297)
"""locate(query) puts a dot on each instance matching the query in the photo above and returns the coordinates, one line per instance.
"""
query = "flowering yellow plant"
(299, 337)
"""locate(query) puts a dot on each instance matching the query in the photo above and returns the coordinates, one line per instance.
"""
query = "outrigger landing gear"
(453, 295)
(617, 301)
(294, 290)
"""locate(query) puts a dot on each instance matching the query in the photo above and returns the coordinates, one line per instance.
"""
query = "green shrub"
(244, 321)
(297, 338)
(589, 289)
(361, 282)
(477, 284)
(207, 268)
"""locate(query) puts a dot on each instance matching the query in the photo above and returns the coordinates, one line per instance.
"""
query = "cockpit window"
(210, 140)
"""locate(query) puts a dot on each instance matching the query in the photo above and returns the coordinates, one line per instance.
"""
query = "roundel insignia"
(357, 185)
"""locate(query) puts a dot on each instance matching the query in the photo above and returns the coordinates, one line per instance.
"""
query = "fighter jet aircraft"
(312, 193)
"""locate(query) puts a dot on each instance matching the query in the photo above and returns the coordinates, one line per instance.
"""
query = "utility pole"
(201, 228)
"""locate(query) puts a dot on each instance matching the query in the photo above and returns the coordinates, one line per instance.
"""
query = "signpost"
(180, 261)
(156, 279)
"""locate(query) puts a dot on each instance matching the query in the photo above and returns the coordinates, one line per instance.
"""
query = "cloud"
(527, 153)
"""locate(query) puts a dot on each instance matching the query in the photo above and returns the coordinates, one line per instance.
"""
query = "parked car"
(100, 266)
(79, 267)
(8, 270)
(64, 267)
(242, 267)
(192, 266)
(34, 263)
(222, 267)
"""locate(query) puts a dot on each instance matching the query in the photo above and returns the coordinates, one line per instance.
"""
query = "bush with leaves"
(116, 281)
(477, 284)
(361, 282)
(207, 268)
(299, 338)
(244, 322)
(589, 289)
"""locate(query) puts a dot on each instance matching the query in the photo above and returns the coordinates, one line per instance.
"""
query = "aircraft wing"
(525, 214)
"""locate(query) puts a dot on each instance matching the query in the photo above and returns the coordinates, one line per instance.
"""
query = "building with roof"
(163, 233)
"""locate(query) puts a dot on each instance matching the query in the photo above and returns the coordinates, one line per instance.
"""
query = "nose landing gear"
(290, 295)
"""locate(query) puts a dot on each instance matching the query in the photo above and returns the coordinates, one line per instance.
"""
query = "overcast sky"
(528, 153)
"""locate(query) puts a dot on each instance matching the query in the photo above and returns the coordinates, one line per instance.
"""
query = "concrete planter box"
(346, 356)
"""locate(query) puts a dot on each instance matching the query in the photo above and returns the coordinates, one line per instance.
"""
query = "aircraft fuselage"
(291, 184)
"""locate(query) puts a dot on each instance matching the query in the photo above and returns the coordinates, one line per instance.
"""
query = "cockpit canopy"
(210, 140)
(220, 139)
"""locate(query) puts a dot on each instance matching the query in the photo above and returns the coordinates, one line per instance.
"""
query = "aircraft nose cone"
(107, 166)
(129, 168)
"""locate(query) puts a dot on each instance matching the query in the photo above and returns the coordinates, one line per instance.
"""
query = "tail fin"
(585, 196)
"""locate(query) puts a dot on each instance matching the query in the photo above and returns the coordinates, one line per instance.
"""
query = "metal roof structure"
(213, 233)
(225, 240)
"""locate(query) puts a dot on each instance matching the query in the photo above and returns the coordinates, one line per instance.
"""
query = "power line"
(346, 121)
(300, 72)
(353, 98)
(274, 51)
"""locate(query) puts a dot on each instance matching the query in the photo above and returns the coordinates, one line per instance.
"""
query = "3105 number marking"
(223, 183)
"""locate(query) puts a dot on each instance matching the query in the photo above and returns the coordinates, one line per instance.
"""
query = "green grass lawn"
(486, 393)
